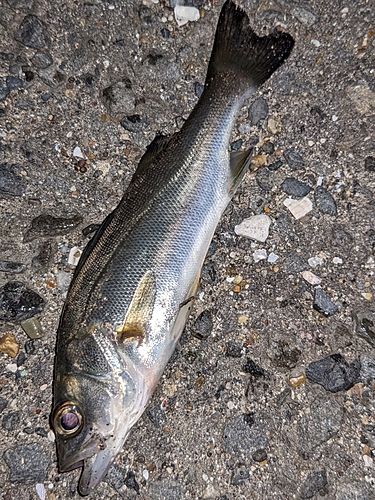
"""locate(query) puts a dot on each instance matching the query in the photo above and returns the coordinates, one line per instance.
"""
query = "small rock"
(259, 455)
(294, 159)
(273, 127)
(156, 415)
(7, 266)
(275, 165)
(40, 491)
(77, 152)
(258, 160)
(370, 164)
(115, 477)
(11, 184)
(315, 261)
(42, 59)
(198, 89)
(258, 110)
(43, 260)
(46, 225)
(286, 356)
(294, 263)
(236, 145)
(254, 369)
(18, 302)
(325, 201)
(31, 33)
(9, 345)
(305, 15)
(298, 208)
(21, 358)
(244, 435)
(14, 83)
(184, 14)
(27, 463)
(131, 482)
(334, 373)
(337, 260)
(272, 258)
(165, 33)
(268, 148)
(264, 176)
(323, 304)
(260, 254)
(233, 350)
(365, 325)
(203, 325)
(11, 421)
(256, 227)
(314, 483)
(4, 92)
(294, 187)
(119, 97)
(33, 328)
(210, 273)
(297, 380)
(242, 318)
(311, 278)
(74, 256)
(3, 404)
(134, 123)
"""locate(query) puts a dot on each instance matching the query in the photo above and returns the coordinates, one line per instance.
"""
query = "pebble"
(31, 33)
(260, 254)
(233, 350)
(18, 302)
(244, 435)
(258, 160)
(9, 345)
(294, 159)
(272, 258)
(11, 184)
(315, 482)
(367, 461)
(119, 97)
(242, 318)
(298, 208)
(294, 263)
(14, 83)
(236, 145)
(134, 123)
(311, 278)
(325, 201)
(77, 152)
(184, 14)
(33, 328)
(43, 259)
(337, 260)
(255, 227)
(254, 369)
(273, 127)
(365, 325)
(74, 256)
(116, 477)
(40, 491)
(131, 482)
(46, 225)
(367, 372)
(156, 416)
(370, 164)
(265, 177)
(12, 367)
(7, 266)
(11, 421)
(198, 89)
(334, 373)
(3, 404)
(27, 463)
(259, 455)
(42, 59)
(305, 14)
(315, 261)
(367, 295)
(203, 325)
(294, 187)
(258, 110)
(323, 304)
(275, 165)
(297, 381)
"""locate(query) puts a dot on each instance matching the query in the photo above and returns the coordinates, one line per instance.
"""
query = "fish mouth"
(70, 461)
(94, 470)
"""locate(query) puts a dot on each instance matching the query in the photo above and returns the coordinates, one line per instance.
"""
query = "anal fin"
(239, 164)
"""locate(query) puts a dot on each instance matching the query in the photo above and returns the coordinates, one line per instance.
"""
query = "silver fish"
(132, 289)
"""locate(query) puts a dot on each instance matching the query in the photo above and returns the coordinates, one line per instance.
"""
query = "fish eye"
(67, 419)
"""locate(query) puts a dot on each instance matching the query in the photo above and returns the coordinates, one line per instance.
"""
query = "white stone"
(145, 474)
(77, 152)
(63, 280)
(51, 436)
(315, 42)
(272, 258)
(255, 227)
(368, 461)
(74, 256)
(12, 367)
(319, 182)
(315, 261)
(298, 208)
(337, 260)
(335, 118)
(260, 254)
(183, 14)
(41, 491)
(311, 278)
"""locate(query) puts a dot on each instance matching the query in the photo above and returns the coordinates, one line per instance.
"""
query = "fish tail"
(241, 55)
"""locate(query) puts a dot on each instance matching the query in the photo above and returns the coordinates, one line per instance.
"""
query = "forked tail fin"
(238, 50)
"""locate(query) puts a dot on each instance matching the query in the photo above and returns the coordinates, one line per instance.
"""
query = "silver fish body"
(132, 290)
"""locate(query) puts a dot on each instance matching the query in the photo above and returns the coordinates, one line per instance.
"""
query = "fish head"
(92, 418)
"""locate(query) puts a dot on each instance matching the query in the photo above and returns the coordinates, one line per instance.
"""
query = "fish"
(133, 287)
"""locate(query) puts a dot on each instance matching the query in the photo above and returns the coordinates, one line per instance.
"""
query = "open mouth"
(94, 470)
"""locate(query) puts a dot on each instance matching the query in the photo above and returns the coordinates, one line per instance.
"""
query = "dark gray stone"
(265, 179)
(3, 404)
(334, 373)
(31, 33)
(275, 165)
(305, 14)
(233, 350)
(18, 302)
(323, 304)
(254, 369)
(11, 421)
(203, 325)
(314, 482)
(14, 83)
(365, 325)
(236, 145)
(134, 123)
(325, 201)
(260, 455)
(4, 91)
(7, 266)
(258, 110)
(370, 164)
(47, 225)
(294, 263)
(11, 184)
(209, 273)
(198, 89)
(244, 435)
(42, 59)
(156, 415)
(294, 159)
(116, 477)
(131, 481)
(294, 187)
(27, 463)
(21, 358)
(367, 373)
(43, 259)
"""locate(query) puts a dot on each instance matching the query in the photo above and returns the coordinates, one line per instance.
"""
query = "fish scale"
(131, 293)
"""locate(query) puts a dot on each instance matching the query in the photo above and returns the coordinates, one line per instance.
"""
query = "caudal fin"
(238, 50)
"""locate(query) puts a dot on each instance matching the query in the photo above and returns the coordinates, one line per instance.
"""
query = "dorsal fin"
(140, 311)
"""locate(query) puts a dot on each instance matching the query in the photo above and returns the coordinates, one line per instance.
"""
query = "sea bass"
(132, 289)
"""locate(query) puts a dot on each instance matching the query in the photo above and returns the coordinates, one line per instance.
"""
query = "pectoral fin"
(139, 314)
(239, 164)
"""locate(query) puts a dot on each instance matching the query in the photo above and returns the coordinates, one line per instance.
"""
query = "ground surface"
(233, 416)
